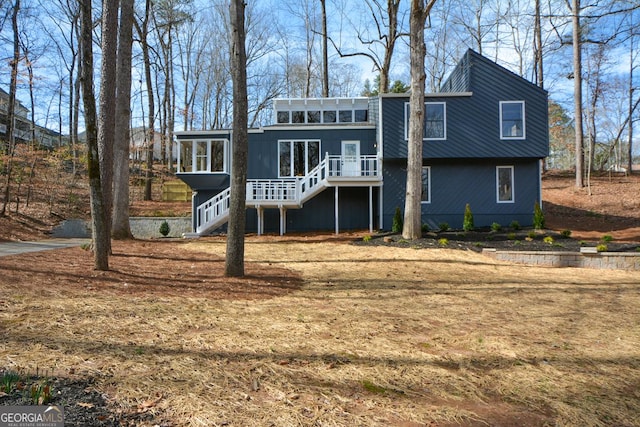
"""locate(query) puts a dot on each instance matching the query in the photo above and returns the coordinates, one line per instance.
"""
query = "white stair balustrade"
(314, 182)
(214, 212)
(292, 193)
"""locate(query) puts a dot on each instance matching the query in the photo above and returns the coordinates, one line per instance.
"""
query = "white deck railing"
(272, 190)
(290, 191)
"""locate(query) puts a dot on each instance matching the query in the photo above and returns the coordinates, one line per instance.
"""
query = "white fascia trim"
(322, 127)
(200, 133)
(428, 95)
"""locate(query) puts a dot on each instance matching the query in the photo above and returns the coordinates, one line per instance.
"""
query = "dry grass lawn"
(324, 333)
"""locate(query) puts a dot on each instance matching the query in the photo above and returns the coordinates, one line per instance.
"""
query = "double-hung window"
(504, 184)
(426, 185)
(435, 121)
(297, 158)
(512, 120)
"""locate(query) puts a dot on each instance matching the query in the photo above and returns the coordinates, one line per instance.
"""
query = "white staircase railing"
(214, 212)
(291, 192)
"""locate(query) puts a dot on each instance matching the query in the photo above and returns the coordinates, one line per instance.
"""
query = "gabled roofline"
(501, 68)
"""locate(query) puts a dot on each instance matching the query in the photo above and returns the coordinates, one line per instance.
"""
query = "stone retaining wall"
(141, 227)
(600, 260)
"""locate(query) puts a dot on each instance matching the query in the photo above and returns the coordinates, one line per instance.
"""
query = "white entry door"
(350, 158)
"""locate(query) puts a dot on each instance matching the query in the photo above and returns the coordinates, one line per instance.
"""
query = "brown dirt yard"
(322, 332)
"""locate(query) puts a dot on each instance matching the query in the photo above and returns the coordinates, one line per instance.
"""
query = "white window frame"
(194, 155)
(307, 167)
(512, 177)
(444, 116)
(524, 126)
(426, 169)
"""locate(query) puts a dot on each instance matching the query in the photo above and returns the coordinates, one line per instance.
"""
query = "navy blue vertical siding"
(473, 122)
(263, 146)
(454, 183)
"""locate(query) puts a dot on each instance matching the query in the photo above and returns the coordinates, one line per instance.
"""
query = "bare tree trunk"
(234, 266)
(631, 108)
(99, 227)
(9, 148)
(577, 91)
(325, 53)
(143, 32)
(107, 111)
(392, 37)
(412, 225)
(539, 69)
(120, 225)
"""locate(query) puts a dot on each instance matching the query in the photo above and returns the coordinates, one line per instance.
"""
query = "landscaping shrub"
(467, 223)
(396, 227)
(538, 217)
(164, 228)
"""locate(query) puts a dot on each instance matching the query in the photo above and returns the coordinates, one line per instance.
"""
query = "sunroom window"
(512, 124)
(297, 158)
(204, 155)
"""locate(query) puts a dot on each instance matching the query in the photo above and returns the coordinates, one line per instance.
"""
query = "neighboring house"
(340, 163)
(139, 144)
(24, 131)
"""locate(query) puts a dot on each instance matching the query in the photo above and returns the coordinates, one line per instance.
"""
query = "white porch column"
(336, 209)
(260, 211)
(283, 220)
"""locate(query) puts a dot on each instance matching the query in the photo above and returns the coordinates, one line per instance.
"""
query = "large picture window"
(297, 158)
(512, 124)
(204, 155)
(435, 121)
(504, 181)
(426, 185)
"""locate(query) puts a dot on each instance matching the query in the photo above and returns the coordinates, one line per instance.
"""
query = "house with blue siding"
(340, 163)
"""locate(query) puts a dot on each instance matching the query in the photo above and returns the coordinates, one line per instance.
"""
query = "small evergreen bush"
(396, 227)
(443, 226)
(496, 227)
(467, 223)
(565, 233)
(538, 217)
(164, 228)
(515, 225)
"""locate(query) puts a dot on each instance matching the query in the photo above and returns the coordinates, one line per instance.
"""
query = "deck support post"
(380, 207)
(336, 209)
(260, 210)
(371, 209)
(194, 210)
(283, 220)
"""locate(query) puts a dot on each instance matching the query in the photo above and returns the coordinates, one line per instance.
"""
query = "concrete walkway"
(15, 248)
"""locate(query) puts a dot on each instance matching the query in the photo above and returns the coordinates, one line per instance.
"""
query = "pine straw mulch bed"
(504, 240)
(323, 332)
